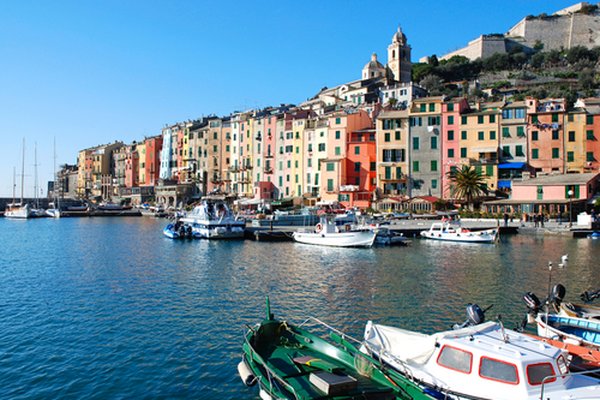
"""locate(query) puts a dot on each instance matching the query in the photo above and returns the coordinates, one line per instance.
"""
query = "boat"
(302, 217)
(455, 233)
(388, 237)
(326, 233)
(19, 210)
(594, 235)
(180, 231)
(53, 210)
(480, 360)
(289, 362)
(213, 220)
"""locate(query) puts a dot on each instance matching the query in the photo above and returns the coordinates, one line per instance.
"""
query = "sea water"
(109, 308)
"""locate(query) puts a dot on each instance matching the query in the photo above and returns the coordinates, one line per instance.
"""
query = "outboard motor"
(532, 302)
(475, 316)
(556, 296)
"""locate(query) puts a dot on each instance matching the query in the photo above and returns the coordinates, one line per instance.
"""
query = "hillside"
(556, 73)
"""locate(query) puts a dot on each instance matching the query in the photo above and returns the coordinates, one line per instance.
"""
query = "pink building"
(450, 147)
(152, 161)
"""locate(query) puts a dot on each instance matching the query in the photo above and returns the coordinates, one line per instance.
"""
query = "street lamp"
(570, 193)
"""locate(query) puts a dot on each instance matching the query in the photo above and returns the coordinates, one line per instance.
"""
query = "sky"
(84, 73)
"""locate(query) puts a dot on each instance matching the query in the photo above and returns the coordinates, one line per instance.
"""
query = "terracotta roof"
(559, 179)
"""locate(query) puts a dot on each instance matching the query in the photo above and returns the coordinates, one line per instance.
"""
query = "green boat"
(288, 362)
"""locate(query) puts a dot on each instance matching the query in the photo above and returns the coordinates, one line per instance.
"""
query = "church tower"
(399, 64)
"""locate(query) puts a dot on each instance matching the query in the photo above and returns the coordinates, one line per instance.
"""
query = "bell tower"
(399, 64)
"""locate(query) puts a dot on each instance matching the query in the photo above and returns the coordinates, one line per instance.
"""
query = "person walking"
(505, 219)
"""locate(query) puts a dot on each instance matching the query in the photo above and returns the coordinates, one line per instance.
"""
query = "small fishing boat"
(180, 231)
(480, 360)
(388, 237)
(570, 329)
(454, 233)
(288, 362)
(326, 233)
(214, 220)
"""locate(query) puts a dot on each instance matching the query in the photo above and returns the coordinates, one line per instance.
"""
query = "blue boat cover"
(504, 184)
(511, 165)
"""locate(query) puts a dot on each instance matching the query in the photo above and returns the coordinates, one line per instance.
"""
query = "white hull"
(220, 231)
(449, 233)
(337, 239)
(18, 212)
(53, 213)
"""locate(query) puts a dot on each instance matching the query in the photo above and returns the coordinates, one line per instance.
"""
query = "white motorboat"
(326, 233)
(214, 220)
(17, 211)
(484, 361)
(453, 233)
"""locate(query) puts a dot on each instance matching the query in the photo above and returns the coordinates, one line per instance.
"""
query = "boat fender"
(246, 374)
(319, 228)
(264, 395)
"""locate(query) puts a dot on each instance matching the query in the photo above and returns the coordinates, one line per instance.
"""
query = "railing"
(553, 378)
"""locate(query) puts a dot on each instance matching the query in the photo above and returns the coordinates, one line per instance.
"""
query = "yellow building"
(575, 141)
(392, 161)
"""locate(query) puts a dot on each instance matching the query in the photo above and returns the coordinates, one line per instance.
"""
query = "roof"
(393, 114)
(429, 199)
(562, 179)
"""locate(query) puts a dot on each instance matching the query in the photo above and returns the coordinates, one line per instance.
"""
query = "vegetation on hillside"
(555, 73)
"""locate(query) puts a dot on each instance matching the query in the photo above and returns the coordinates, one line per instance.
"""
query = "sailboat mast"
(35, 177)
(22, 171)
(14, 184)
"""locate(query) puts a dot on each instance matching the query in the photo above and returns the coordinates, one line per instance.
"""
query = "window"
(589, 135)
(571, 136)
(388, 172)
(357, 167)
(415, 166)
(321, 146)
(330, 185)
(434, 142)
(554, 135)
(397, 135)
(373, 166)
(505, 132)
(338, 151)
(356, 149)
(520, 131)
(498, 371)
(555, 152)
(589, 119)
(537, 372)
(398, 172)
(431, 107)
(463, 135)
(337, 134)
(450, 106)
(450, 135)
(492, 119)
(456, 359)
(434, 183)
(463, 120)
(489, 170)
(534, 135)
(450, 153)
(338, 120)
(480, 119)
(434, 166)
(480, 136)
(570, 156)
(386, 137)
(415, 143)
(535, 153)
(450, 119)
(589, 156)
(423, 107)
(330, 166)
(534, 119)
(519, 151)
(309, 162)
(289, 164)
(506, 151)
(463, 152)
(492, 135)
(554, 117)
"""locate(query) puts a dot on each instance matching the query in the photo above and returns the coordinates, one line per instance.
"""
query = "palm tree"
(468, 184)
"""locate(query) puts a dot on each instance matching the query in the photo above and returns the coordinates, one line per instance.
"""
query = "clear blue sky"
(92, 72)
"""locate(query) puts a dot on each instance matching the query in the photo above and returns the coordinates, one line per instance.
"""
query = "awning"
(490, 149)
(511, 165)
(504, 184)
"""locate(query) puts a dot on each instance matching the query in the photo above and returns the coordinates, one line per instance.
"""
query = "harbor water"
(108, 308)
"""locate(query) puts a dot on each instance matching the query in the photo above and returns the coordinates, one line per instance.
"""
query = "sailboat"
(54, 207)
(36, 212)
(18, 210)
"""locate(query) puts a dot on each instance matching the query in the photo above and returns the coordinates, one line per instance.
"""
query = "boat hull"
(17, 212)
(338, 239)
(574, 330)
(487, 236)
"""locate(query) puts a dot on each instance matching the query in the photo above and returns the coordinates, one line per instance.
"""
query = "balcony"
(268, 171)
(391, 178)
(483, 160)
(269, 155)
(234, 168)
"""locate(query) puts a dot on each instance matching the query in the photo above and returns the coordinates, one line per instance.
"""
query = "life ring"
(347, 228)
(319, 228)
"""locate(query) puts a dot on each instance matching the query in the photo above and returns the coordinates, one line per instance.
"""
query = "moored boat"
(453, 233)
(480, 360)
(17, 211)
(326, 233)
(180, 231)
(214, 220)
(289, 362)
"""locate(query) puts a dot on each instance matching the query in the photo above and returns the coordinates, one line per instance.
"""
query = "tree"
(468, 184)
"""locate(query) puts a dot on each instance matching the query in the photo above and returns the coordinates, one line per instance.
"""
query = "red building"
(361, 169)
(152, 161)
